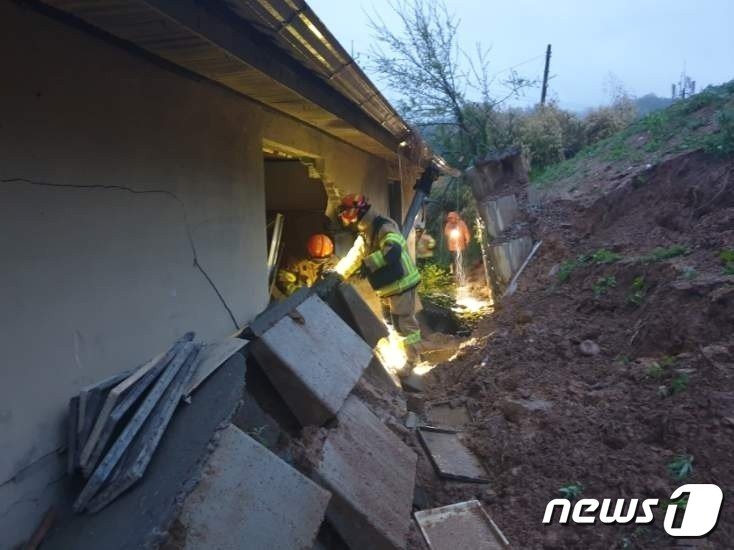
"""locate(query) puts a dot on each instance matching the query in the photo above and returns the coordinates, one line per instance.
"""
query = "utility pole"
(545, 75)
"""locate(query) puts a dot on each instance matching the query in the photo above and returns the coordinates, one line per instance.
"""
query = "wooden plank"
(210, 358)
(113, 456)
(72, 449)
(156, 364)
(91, 398)
(133, 465)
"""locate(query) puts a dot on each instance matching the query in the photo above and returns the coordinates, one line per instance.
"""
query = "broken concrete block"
(460, 525)
(507, 257)
(250, 498)
(499, 214)
(371, 474)
(449, 457)
(313, 359)
(358, 315)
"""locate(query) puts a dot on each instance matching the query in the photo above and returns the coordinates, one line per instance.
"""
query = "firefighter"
(456, 232)
(305, 272)
(381, 252)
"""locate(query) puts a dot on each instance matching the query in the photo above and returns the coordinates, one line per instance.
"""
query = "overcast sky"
(645, 43)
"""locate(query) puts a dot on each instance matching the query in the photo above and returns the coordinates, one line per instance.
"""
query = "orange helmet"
(320, 246)
(452, 217)
(352, 208)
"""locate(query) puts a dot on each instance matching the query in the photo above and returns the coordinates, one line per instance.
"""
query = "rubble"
(311, 373)
(371, 475)
(249, 498)
(461, 525)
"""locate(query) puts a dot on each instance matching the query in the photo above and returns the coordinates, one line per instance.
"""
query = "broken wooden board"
(211, 356)
(91, 400)
(371, 474)
(449, 457)
(119, 401)
(141, 516)
(72, 436)
(137, 457)
(313, 359)
(105, 468)
(250, 498)
(461, 525)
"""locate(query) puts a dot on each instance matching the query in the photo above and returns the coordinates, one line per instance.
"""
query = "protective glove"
(330, 279)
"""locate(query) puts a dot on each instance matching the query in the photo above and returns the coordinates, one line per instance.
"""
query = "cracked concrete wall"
(96, 279)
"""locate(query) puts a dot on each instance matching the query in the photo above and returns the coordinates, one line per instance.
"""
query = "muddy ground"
(601, 380)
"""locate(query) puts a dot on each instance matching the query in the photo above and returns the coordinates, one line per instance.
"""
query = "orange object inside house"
(320, 246)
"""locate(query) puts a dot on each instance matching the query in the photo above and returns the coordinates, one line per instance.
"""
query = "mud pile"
(614, 358)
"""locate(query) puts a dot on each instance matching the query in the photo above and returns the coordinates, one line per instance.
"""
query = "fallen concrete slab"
(449, 457)
(250, 498)
(461, 525)
(142, 515)
(313, 359)
(371, 474)
(350, 306)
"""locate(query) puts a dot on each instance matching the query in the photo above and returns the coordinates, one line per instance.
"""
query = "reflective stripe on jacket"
(383, 252)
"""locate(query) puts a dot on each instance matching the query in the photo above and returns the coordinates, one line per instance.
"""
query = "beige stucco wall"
(95, 281)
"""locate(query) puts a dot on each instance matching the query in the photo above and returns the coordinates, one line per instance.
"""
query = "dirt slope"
(614, 358)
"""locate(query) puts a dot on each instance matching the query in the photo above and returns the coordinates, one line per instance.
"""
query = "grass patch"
(571, 491)
(681, 467)
(660, 254)
(638, 290)
(727, 259)
(603, 284)
(681, 127)
(601, 256)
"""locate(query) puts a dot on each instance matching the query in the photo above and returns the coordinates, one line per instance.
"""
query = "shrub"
(541, 135)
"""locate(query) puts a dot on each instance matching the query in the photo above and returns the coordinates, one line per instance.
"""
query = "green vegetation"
(603, 284)
(681, 467)
(681, 502)
(601, 256)
(437, 286)
(572, 491)
(638, 290)
(705, 121)
(679, 384)
(656, 371)
(623, 359)
(689, 273)
(727, 258)
(660, 254)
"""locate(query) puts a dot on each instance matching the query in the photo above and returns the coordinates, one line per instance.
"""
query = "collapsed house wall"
(119, 174)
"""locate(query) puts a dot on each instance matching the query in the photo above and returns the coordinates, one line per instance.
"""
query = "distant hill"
(650, 103)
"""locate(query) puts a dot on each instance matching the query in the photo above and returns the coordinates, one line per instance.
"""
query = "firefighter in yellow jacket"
(382, 253)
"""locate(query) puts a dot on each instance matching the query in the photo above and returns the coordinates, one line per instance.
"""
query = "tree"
(441, 88)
